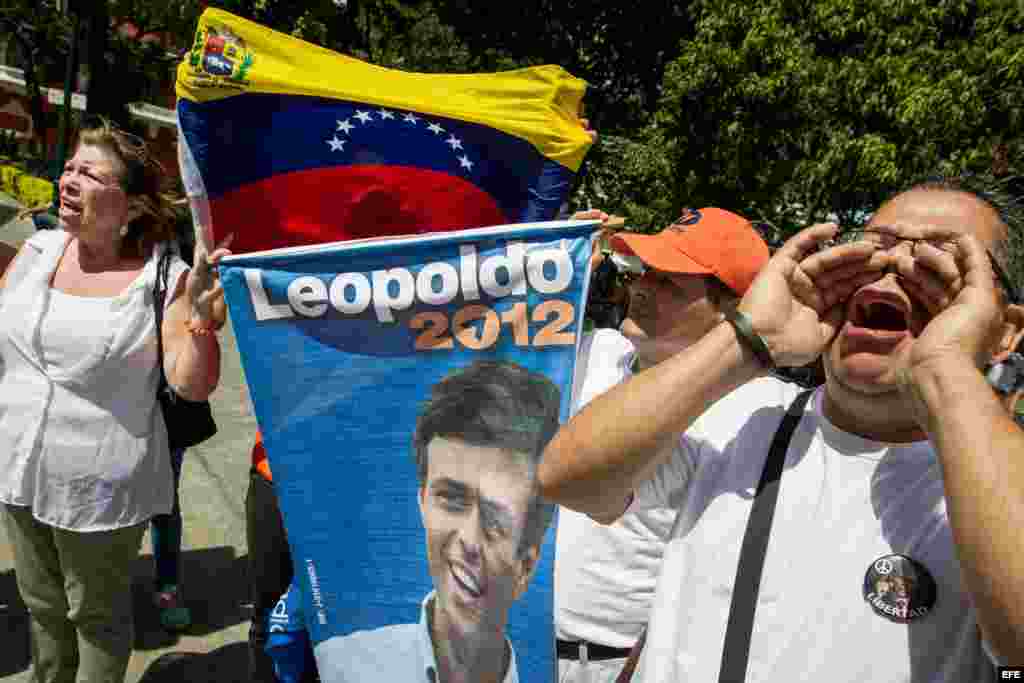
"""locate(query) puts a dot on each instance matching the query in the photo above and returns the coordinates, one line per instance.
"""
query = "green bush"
(27, 190)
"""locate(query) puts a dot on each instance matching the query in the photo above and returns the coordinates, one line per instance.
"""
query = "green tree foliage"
(630, 178)
(791, 111)
(404, 35)
(38, 40)
(620, 49)
(787, 111)
(146, 69)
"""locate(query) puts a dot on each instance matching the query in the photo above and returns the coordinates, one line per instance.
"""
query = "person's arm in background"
(598, 459)
(981, 450)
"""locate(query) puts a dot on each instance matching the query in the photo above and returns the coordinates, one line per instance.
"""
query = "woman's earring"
(124, 230)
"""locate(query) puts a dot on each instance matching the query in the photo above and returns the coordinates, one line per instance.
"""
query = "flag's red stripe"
(349, 202)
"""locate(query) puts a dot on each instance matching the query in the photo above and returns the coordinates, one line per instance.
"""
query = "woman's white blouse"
(82, 438)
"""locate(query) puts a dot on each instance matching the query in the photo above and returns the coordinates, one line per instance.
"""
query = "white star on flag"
(347, 127)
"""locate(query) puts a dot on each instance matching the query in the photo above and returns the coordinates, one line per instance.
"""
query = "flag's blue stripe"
(248, 138)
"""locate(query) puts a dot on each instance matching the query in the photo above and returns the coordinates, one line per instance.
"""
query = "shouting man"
(854, 492)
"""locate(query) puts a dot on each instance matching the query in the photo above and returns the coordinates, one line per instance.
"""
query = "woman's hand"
(191, 354)
(203, 289)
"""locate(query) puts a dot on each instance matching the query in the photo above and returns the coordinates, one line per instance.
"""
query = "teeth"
(467, 580)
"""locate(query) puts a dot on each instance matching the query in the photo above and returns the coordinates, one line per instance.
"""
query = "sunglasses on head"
(628, 266)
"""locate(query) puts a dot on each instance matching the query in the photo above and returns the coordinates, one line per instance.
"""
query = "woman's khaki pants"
(77, 587)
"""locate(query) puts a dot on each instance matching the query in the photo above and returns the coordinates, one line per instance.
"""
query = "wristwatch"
(1007, 376)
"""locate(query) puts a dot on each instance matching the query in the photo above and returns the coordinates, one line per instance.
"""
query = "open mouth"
(881, 315)
(880, 311)
(70, 206)
(465, 580)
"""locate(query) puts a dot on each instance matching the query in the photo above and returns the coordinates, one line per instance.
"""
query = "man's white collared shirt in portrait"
(403, 653)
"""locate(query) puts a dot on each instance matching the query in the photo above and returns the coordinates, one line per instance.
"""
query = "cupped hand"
(960, 291)
(797, 302)
(203, 287)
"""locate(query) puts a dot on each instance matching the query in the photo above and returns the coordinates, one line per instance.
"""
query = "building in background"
(155, 116)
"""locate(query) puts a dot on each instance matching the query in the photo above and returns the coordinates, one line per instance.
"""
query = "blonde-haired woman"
(84, 460)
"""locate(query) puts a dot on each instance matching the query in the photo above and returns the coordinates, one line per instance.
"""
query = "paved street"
(212, 496)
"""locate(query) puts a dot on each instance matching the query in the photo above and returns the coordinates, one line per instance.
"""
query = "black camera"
(606, 306)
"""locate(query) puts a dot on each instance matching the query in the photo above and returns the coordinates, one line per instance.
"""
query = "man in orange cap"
(686, 278)
(689, 273)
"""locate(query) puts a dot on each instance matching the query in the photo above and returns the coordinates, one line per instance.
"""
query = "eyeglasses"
(886, 240)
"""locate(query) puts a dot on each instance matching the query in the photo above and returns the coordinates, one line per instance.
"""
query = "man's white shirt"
(844, 501)
(403, 653)
(605, 576)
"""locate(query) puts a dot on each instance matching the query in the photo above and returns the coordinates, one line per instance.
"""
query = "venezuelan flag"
(293, 144)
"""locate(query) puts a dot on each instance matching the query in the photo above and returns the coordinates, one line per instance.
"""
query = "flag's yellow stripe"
(538, 104)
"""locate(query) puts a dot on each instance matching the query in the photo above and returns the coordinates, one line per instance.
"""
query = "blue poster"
(405, 389)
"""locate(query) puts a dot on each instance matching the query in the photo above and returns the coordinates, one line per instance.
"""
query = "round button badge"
(899, 589)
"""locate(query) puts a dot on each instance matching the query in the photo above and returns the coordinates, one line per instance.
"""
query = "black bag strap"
(755, 544)
(159, 296)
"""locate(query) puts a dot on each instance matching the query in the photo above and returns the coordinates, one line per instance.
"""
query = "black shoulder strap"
(755, 543)
(159, 296)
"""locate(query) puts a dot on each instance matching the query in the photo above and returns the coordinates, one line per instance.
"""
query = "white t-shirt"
(605, 576)
(82, 439)
(844, 502)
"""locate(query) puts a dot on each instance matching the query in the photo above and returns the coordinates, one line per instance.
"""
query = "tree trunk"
(32, 91)
(35, 99)
(106, 96)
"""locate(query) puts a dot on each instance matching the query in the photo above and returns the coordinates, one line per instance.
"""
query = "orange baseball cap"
(705, 241)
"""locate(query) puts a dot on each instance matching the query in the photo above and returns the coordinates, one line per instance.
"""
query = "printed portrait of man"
(477, 443)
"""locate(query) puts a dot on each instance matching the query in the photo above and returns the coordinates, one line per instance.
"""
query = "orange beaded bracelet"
(202, 329)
